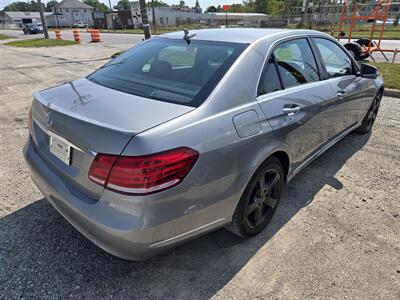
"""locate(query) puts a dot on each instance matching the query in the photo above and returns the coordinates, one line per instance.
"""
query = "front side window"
(336, 61)
(296, 63)
(170, 70)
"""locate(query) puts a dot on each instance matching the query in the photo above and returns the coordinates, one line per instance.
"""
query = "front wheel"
(259, 200)
(371, 115)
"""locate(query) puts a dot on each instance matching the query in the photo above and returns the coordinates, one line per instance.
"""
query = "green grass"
(359, 31)
(387, 34)
(392, 33)
(5, 37)
(390, 73)
(41, 43)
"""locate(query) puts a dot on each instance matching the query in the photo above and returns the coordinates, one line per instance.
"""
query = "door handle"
(341, 93)
(291, 109)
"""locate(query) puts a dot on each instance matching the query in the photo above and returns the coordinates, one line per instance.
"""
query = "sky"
(203, 3)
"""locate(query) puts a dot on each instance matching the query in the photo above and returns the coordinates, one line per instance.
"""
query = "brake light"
(100, 168)
(140, 175)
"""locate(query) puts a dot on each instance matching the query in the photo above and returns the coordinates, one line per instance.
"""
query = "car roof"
(239, 35)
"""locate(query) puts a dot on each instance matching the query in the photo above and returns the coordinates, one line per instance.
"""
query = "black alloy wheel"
(263, 199)
(259, 200)
(371, 115)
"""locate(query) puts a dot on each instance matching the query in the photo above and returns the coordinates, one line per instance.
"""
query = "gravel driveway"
(335, 235)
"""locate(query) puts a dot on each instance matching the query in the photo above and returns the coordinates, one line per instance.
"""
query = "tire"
(259, 201)
(363, 42)
(371, 115)
(354, 49)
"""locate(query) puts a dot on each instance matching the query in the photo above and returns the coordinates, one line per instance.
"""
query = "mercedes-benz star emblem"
(49, 118)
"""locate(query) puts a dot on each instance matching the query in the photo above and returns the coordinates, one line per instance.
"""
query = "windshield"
(170, 70)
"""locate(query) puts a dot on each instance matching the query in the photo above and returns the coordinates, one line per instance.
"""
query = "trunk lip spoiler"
(47, 104)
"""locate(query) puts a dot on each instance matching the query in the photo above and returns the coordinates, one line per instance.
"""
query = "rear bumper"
(126, 231)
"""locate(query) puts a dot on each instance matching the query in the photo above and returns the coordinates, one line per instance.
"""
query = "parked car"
(32, 29)
(387, 22)
(187, 133)
(80, 24)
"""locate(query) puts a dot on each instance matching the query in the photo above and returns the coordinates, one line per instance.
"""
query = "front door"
(298, 105)
(347, 86)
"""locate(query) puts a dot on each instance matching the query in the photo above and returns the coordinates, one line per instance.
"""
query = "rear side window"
(296, 63)
(336, 61)
(170, 70)
(269, 81)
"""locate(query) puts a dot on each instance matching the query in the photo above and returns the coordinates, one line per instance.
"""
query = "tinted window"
(269, 81)
(170, 70)
(336, 61)
(296, 63)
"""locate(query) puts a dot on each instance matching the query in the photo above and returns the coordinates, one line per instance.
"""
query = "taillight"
(100, 168)
(142, 174)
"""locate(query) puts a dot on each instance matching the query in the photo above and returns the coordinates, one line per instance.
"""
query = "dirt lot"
(335, 235)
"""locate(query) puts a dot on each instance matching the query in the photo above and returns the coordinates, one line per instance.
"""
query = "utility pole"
(43, 19)
(145, 19)
(56, 13)
(112, 15)
(154, 17)
(304, 9)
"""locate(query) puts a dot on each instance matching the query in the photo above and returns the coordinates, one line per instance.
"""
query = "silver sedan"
(192, 131)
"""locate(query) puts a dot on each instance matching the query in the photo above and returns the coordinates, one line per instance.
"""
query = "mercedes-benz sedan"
(192, 131)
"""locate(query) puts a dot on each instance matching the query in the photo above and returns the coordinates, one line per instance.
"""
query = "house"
(69, 12)
(17, 19)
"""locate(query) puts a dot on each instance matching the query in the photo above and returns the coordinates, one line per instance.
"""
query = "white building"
(174, 16)
(237, 19)
(70, 12)
(16, 19)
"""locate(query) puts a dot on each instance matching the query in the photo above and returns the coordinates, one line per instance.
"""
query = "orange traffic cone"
(58, 34)
(77, 36)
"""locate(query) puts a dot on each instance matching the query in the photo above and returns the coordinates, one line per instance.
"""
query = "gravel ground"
(335, 235)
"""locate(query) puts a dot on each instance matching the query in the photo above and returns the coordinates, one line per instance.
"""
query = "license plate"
(60, 149)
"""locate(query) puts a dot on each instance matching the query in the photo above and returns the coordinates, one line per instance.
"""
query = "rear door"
(342, 76)
(299, 106)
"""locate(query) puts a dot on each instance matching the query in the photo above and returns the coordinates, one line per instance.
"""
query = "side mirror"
(368, 71)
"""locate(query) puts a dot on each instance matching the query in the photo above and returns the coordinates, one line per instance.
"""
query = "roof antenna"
(188, 36)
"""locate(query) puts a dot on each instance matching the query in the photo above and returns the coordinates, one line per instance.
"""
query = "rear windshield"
(170, 70)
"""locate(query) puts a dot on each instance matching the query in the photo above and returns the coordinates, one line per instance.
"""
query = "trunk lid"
(92, 119)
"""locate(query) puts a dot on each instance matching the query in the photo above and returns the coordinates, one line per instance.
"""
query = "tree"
(123, 5)
(197, 7)
(23, 6)
(50, 5)
(157, 3)
(182, 4)
(241, 8)
(211, 9)
(260, 6)
(274, 7)
(99, 6)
